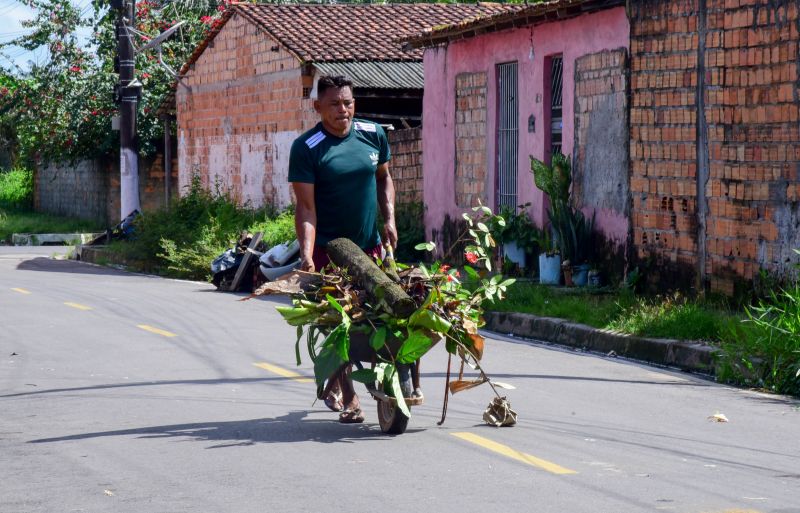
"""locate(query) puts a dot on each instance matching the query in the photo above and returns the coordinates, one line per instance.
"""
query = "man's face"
(336, 108)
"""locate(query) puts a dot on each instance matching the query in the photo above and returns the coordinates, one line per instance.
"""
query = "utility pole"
(129, 91)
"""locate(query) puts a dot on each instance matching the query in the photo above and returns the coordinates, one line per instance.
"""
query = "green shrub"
(16, 189)
(199, 226)
(764, 350)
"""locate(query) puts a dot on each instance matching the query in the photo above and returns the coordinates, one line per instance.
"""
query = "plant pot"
(549, 269)
(514, 253)
(580, 275)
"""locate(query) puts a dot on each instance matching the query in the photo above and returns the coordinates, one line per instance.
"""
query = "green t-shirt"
(342, 170)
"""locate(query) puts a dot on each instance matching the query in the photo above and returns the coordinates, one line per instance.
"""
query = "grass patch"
(13, 221)
(620, 310)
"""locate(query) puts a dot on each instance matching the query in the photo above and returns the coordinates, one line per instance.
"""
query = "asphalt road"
(128, 393)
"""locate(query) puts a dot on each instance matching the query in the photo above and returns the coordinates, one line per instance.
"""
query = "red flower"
(206, 19)
(75, 69)
(443, 268)
(472, 258)
(449, 277)
(145, 75)
(220, 8)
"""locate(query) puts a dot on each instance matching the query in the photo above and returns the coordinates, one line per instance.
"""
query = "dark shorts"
(321, 258)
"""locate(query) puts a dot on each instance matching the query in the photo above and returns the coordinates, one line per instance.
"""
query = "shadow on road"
(44, 264)
(292, 427)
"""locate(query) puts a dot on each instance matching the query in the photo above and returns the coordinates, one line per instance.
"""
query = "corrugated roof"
(377, 75)
(526, 15)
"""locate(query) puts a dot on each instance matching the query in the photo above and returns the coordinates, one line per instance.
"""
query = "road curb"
(685, 355)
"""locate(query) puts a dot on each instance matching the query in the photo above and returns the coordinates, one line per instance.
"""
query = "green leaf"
(378, 339)
(508, 282)
(496, 279)
(424, 318)
(425, 246)
(473, 233)
(328, 361)
(366, 376)
(424, 271)
(392, 385)
(486, 210)
(339, 339)
(416, 345)
(472, 273)
(336, 306)
(482, 227)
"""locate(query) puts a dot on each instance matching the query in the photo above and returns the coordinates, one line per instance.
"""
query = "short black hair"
(329, 82)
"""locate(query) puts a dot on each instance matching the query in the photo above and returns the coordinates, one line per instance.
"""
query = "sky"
(12, 12)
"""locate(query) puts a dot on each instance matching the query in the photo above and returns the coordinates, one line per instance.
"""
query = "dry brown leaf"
(477, 345)
(289, 284)
(461, 385)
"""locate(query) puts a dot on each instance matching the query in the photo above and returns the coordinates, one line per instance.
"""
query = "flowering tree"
(62, 110)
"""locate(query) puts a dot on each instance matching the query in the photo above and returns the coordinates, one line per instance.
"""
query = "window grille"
(556, 113)
(507, 134)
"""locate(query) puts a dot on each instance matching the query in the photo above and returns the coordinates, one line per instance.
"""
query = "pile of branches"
(390, 315)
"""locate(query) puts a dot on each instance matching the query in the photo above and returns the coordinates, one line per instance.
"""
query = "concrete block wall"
(406, 164)
(714, 139)
(89, 189)
(470, 139)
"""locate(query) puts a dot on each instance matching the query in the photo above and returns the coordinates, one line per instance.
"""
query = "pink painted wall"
(529, 46)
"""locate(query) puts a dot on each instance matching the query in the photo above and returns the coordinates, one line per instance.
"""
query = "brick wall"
(470, 137)
(239, 109)
(714, 138)
(89, 189)
(406, 164)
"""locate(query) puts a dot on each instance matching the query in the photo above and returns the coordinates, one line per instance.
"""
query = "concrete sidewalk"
(689, 356)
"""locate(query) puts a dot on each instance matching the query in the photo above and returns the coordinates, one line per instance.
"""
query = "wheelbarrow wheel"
(391, 419)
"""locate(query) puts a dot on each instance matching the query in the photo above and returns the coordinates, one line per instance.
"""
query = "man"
(339, 171)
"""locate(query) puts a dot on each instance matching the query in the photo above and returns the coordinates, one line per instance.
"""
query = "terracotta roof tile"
(357, 32)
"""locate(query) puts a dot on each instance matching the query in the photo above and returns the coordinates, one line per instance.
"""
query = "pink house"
(544, 78)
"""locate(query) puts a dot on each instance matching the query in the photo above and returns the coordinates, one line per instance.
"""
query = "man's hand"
(390, 234)
(307, 264)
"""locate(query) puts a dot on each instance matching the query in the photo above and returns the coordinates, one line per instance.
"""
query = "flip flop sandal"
(351, 416)
(334, 402)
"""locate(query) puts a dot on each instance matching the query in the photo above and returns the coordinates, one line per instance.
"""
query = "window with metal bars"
(556, 112)
(507, 135)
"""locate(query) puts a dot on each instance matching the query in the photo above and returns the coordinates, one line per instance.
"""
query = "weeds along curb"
(685, 355)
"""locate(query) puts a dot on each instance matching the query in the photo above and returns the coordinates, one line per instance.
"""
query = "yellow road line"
(78, 306)
(513, 453)
(286, 373)
(21, 291)
(156, 330)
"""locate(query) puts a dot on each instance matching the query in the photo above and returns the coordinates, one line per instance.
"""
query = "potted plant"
(549, 259)
(572, 231)
(518, 236)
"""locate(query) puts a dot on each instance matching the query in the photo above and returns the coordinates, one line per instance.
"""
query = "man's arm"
(305, 223)
(386, 203)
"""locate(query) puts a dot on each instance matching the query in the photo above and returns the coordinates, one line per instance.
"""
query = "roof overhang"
(377, 74)
(554, 10)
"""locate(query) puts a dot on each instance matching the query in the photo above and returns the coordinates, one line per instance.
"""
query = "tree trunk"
(387, 294)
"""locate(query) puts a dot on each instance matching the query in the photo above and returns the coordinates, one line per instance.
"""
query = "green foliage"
(16, 189)
(517, 228)
(61, 110)
(200, 225)
(764, 350)
(671, 317)
(572, 232)
(12, 221)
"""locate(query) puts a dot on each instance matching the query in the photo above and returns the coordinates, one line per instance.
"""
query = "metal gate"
(556, 112)
(507, 134)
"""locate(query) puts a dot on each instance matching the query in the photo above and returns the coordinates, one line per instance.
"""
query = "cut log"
(388, 295)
